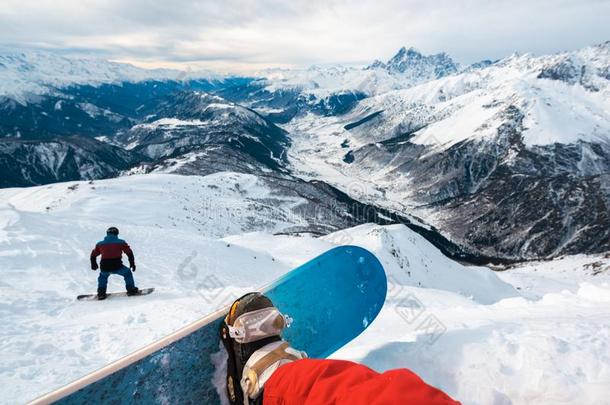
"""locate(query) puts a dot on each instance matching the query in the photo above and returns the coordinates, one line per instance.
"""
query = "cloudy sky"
(238, 35)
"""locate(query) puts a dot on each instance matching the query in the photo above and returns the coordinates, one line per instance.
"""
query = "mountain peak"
(406, 52)
(411, 62)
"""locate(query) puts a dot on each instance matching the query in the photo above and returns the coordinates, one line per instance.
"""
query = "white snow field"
(536, 333)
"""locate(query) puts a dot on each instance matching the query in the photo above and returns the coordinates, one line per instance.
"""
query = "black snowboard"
(93, 297)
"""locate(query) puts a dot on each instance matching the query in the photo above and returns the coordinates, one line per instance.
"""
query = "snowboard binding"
(251, 335)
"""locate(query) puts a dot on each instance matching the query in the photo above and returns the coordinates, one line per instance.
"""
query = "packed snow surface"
(537, 333)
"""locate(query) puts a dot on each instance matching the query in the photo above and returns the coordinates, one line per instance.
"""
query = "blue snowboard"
(332, 299)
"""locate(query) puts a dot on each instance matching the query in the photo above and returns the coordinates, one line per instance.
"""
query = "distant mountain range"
(508, 159)
(28, 73)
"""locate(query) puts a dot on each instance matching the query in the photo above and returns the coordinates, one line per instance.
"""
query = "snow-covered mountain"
(512, 159)
(145, 123)
(201, 241)
(27, 73)
(405, 69)
(334, 90)
(188, 122)
(417, 134)
(164, 127)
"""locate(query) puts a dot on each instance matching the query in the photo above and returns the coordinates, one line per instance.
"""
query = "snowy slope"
(201, 241)
(172, 223)
(408, 259)
(201, 205)
(558, 109)
(519, 351)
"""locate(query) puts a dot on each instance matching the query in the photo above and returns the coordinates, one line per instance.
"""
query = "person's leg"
(102, 281)
(346, 383)
(128, 276)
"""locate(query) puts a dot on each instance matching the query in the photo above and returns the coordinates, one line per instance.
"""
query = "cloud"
(237, 34)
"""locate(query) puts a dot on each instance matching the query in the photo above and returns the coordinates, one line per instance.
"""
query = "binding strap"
(277, 354)
(263, 363)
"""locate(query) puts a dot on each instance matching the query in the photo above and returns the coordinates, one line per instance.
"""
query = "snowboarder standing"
(111, 248)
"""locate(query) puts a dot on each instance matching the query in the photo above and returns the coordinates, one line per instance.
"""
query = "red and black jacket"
(111, 249)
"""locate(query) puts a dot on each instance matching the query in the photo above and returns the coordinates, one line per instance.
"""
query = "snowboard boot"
(101, 294)
(133, 291)
(250, 334)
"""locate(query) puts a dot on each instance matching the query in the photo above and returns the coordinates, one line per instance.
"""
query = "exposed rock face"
(412, 63)
(506, 199)
(51, 137)
(190, 121)
(27, 163)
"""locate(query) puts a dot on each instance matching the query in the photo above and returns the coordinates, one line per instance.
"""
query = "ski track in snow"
(537, 333)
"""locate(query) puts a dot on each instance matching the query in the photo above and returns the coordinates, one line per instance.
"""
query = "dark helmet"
(113, 230)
